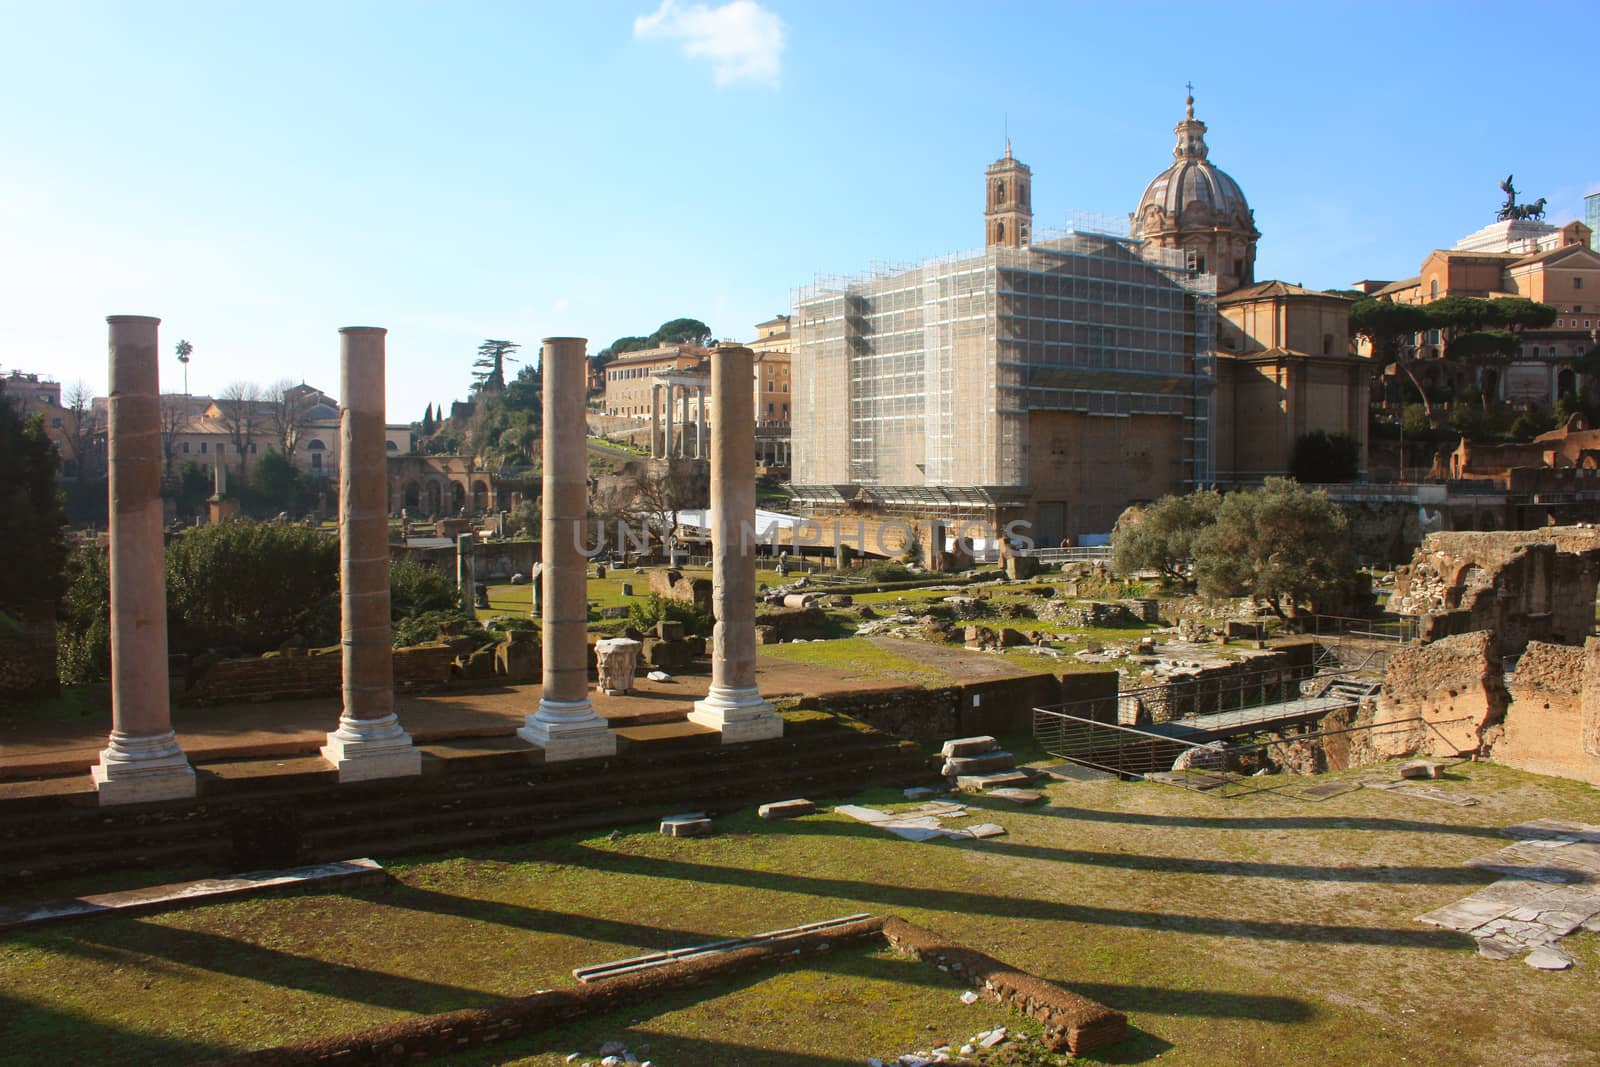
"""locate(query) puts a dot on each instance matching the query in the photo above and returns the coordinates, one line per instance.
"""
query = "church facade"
(1057, 377)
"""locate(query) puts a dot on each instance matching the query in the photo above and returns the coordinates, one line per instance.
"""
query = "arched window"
(1433, 289)
(999, 231)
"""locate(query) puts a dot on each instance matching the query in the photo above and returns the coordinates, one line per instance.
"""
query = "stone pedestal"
(369, 742)
(143, 761)
(734, 705)
(618, 660)
(565, 725)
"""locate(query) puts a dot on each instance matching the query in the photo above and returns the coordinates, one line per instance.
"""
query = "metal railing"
(1202, 693)
(1223, 769)
(1067, 555)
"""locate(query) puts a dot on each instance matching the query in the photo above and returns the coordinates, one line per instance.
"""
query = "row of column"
(667, 446)
(143, 760)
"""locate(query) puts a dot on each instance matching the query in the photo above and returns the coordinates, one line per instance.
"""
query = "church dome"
(1192, 188)
(1194, 207)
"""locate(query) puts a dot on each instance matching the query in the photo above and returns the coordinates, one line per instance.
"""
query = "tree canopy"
(1323, 457)
(489, 369)
(1161, 537)
(31, 519)
(1281, 544)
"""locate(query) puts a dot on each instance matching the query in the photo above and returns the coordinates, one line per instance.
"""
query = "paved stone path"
(1552, 889)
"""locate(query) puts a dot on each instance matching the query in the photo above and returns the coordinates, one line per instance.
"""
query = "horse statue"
(1533, 211)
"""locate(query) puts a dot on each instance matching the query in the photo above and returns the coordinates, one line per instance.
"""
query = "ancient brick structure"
(1531, 585)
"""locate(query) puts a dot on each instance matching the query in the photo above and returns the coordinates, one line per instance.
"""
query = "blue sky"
(260, 175)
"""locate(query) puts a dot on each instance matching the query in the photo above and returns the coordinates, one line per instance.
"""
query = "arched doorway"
(435, 499)
(480, 495)
(458, 498)
(413, 496)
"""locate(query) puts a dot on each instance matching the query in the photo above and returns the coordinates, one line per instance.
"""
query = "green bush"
(415, 588)
(886, 571)
(83, 627)
(430, 626)
(644, 614)
(252, 585)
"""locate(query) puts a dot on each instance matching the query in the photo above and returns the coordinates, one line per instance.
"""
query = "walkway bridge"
(1189, 722)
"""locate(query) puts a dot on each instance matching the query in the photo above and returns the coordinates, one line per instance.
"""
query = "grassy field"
(859, 657)
(1256, 931)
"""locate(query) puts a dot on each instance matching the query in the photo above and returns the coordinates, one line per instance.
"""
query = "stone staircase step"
(999, 760)
(969, 746)
(978, 783)
(668, 735)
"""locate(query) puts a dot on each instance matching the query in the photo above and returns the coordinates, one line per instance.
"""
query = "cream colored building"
(1549, 264)
(1284, 370)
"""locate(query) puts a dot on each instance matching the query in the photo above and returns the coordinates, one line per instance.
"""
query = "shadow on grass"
(113, 942)
(925, 898)
(1265, 822)
(36, 1033)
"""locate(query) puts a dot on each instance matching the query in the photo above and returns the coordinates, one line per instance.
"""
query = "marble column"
(683, 410)
(565, 725)
(666, 440)
(143, 761)
(655, 421)
(369, 742)
(700, 422)
(734, 705)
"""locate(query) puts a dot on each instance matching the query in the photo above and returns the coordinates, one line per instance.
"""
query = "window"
(202, 448)
(1577, 283)
(252, 448)
(769, 409)
(772, 387)
(184, 447)
(1433, 289)
(1327, 348)
(55, 423)
(785, 389)
(316, 461)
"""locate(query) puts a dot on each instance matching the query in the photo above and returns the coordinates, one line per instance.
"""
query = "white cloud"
(742, 39)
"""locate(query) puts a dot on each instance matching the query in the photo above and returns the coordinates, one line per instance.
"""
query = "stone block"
(667, 630)
(968, 746)
(691, 824)
(1010, 638)
(979, 783)
(1015, 795)
(1421, 768)
(477, 665)
(983, 763)
(1019, 568)
(786, 809)
(766, 635)
(519, 658)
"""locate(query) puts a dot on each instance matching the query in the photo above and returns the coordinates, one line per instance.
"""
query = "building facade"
(1053, 382)
(1284, 370)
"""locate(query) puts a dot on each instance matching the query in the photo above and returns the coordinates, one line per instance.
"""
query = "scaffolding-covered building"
(1054, 381)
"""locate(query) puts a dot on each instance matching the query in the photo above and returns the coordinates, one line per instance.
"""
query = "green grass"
(73, 702)
(859, 657)
(1252, 932)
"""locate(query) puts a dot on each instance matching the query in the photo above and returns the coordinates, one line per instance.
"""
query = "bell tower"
(1008, 202)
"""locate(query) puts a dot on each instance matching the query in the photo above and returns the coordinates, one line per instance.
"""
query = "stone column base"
(568, 729)
(365, 749)
(134, 770)
(740, 715)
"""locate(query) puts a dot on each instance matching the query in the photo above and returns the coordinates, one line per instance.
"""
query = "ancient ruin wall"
(1524, 585)
(1454, 685)
(1544, 723)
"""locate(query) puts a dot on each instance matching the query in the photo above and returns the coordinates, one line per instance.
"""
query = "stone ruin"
(1524, 585)
(1505, 667)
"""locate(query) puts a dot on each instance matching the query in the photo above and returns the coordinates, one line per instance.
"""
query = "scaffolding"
(928, 374)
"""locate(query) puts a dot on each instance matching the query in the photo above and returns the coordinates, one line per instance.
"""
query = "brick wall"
(259, 679)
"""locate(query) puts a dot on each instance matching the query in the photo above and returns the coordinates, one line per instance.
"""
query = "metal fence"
(1232, 769)
(1067, 555)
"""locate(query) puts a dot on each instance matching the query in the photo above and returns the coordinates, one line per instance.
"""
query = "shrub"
(644, 614)
(83, 628)
(252, 585)
(415, 588)
(432, 625)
